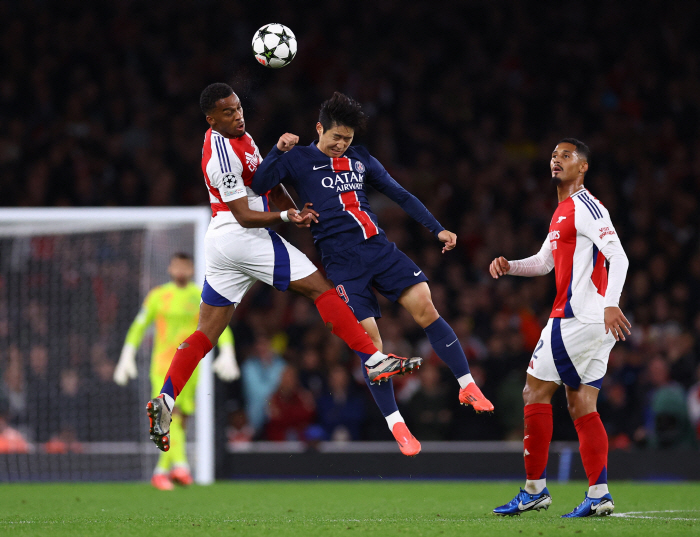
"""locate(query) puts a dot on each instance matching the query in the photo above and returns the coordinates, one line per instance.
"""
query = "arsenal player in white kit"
(583, 326)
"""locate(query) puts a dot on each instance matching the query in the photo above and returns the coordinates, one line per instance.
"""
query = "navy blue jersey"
(338, 189)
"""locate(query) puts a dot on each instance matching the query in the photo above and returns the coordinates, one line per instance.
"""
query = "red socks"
(184, 363)
(335, 311)
(593, 445)
(538, 435)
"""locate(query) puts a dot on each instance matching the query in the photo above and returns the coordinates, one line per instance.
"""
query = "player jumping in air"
(332, 176)
(240, 250)
(584, 324)
(174, 308)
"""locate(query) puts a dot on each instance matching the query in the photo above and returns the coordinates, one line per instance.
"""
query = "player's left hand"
(449, 238)
(225, 366)
(295, 217)
(287, 141)
(616, 321)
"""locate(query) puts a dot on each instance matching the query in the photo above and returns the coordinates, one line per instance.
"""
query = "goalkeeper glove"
(225, 365)
(126, 367)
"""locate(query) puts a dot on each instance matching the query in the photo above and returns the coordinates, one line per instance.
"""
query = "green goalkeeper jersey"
(175, 312)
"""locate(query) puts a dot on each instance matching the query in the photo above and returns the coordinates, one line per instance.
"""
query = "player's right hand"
(308, 210)
(287, 141)
(296, 218)
(499, 267)
(126, 367)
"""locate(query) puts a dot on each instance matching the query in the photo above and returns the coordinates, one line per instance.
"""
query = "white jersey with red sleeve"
(579, 229)
(228, 165)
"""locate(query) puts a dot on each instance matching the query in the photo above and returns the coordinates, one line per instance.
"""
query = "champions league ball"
(274, 45)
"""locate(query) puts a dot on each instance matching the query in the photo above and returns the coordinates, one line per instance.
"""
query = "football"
(274, 45)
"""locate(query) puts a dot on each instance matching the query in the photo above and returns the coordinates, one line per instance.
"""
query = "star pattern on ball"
(268, 52)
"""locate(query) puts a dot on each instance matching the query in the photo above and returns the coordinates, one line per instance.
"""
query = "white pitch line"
(641, 514)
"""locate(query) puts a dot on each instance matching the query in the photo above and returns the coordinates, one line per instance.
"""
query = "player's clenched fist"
(499, 267)
(287, 141)
(449, 239)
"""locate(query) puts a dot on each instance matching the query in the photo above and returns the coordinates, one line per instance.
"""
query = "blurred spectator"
(668, 414)
(291, 409)
(341, 411)
(261, 374)
(428, 410)
(694, 404)
(238, 432)
(11, 440)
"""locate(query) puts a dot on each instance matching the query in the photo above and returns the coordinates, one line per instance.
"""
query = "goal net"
(71, 283)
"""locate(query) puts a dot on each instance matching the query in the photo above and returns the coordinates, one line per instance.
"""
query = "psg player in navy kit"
(355, 252)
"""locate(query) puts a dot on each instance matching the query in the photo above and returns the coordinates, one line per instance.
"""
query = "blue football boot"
(593, 507)
(525, 501)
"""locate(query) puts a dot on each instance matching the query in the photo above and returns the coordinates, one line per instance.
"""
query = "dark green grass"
(335, 508)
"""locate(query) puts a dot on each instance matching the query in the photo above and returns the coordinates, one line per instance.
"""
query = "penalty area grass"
(308, 508)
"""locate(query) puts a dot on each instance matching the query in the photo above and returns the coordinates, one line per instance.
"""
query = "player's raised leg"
(593, 445)
(418, 301)
(383, 395)
(537, 396)
(339, 318)
(212, 321)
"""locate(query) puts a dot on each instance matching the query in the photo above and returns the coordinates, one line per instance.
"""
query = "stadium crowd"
(99, 107)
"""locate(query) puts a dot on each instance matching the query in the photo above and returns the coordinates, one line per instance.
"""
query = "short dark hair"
(182, 255)
(342, 110)
(581, 148)
(213, 93)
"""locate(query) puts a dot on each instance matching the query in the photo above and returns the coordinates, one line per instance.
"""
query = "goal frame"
(88, 219)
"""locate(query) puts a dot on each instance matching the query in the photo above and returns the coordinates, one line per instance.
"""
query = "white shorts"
(572, 352)
(235, 261)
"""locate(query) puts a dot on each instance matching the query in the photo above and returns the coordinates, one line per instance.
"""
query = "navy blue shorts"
(376, 263)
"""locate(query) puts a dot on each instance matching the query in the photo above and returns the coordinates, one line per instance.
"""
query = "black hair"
(182, 255)
(581, 148)
(342, 110)
(213, 93)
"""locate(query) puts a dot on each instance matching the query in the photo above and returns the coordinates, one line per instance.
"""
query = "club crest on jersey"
(228, 180)
(560, 219)
(359, 167)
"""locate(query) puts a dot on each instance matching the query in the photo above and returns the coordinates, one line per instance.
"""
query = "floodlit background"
(99, 107)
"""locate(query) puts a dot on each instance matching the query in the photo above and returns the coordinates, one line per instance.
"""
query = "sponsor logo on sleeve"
(606, 231)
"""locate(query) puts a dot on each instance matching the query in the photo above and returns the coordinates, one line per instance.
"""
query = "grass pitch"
(381, 508)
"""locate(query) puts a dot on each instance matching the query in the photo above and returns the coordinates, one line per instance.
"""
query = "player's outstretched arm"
(249, 218)
(379, 178)
(126, 366)
(270, 173)
(537, 265)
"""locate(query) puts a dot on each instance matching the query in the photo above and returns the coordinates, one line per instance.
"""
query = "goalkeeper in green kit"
(174, 308)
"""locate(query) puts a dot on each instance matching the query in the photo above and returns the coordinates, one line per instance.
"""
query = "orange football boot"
(471, 395)
(181, 476)
(408, 444)
(162, 482)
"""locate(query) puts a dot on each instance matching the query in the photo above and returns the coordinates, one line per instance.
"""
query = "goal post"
(69, 277)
